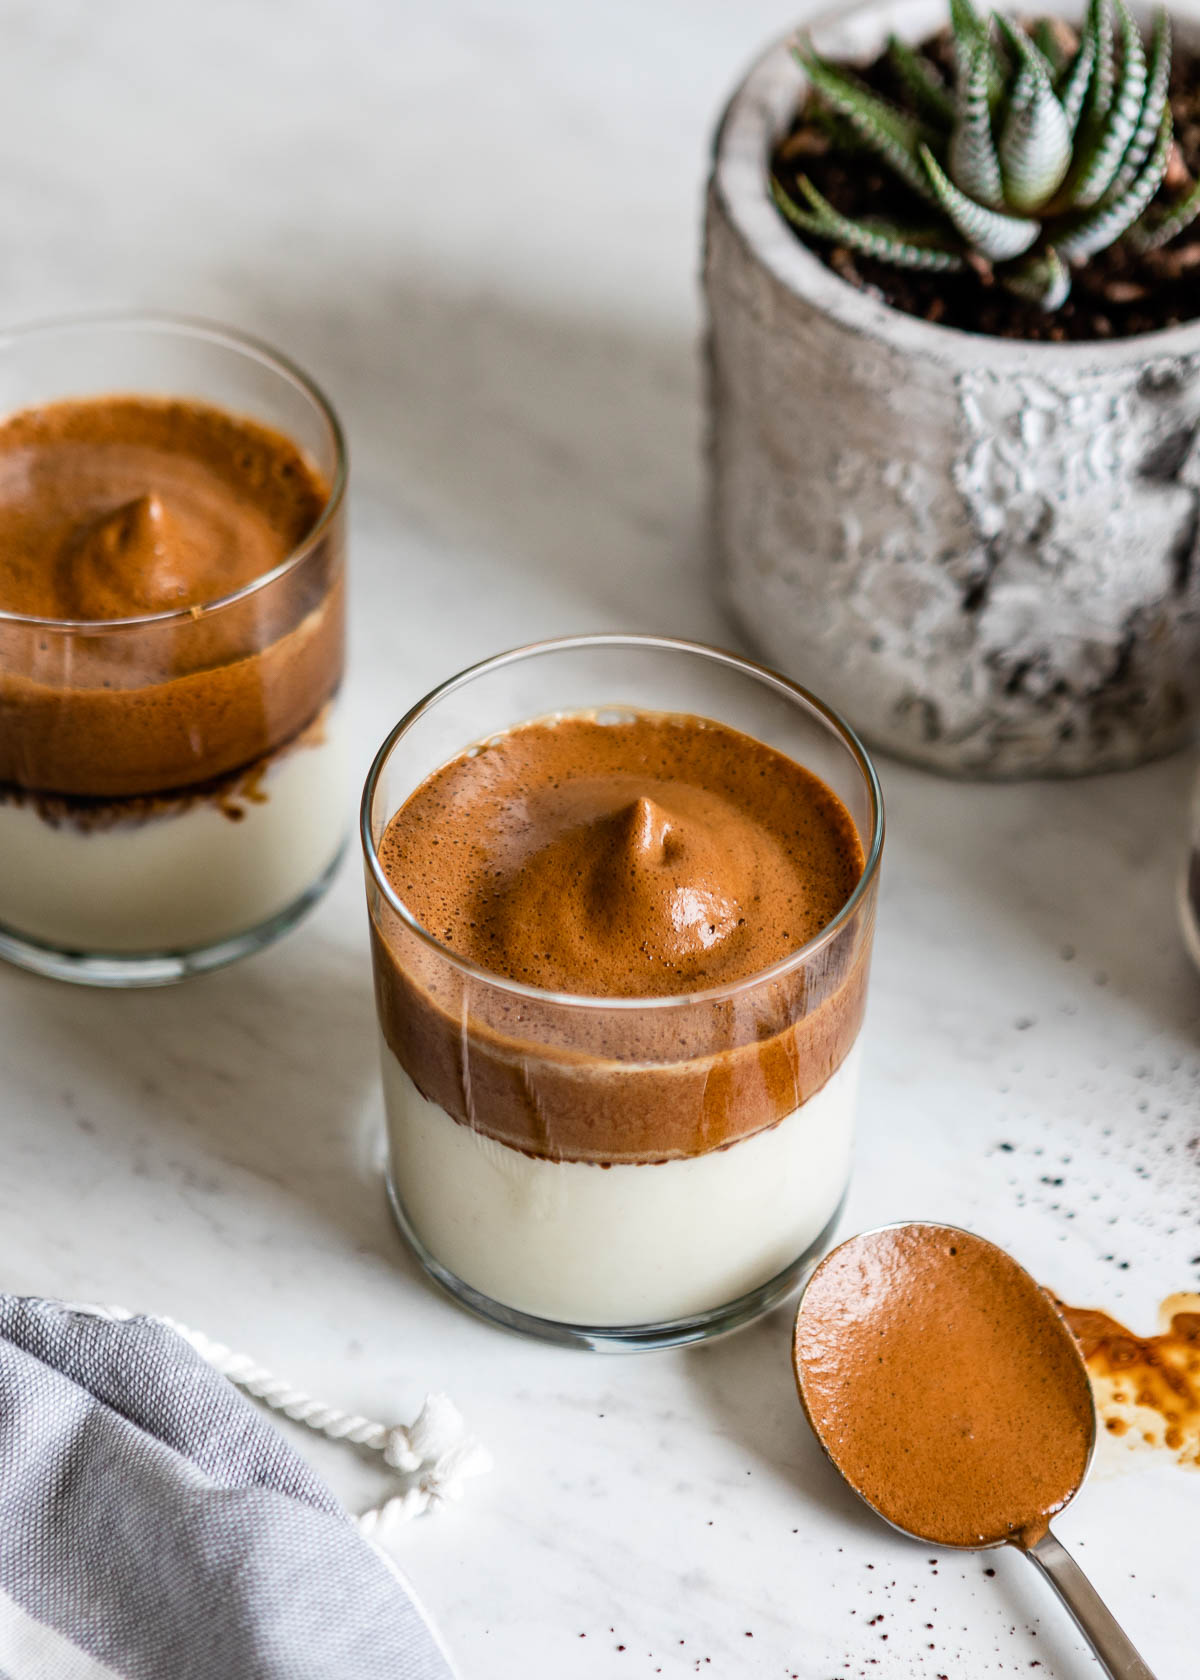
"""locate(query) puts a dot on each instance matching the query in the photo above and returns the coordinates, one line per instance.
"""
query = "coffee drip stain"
(1147, 1388)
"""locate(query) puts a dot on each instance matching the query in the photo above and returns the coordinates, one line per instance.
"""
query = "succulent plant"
(1046, 149)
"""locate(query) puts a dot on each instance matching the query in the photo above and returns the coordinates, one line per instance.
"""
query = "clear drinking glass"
(620, 1172)
(207, 810)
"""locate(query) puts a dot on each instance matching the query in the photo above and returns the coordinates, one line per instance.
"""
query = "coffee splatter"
(1147, 1388)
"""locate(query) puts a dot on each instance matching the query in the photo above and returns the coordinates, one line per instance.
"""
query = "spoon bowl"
(948, 1391)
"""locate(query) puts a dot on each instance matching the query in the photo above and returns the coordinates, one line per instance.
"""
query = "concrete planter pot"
(986, 553)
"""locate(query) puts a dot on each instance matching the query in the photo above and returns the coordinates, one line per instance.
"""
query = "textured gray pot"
(986, 553)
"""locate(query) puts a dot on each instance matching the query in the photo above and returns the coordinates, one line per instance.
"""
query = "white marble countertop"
(478, 226)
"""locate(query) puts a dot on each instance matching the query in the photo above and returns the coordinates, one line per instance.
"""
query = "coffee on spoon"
(945, 1386)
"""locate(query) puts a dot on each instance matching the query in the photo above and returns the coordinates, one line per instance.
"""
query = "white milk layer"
(183, 879)
(623, 1245)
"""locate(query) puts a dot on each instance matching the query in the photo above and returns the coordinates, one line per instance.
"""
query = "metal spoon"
(1095, 1621)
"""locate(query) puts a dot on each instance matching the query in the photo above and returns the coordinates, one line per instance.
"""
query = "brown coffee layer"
(233, 795)
(114, 507)
(649, 857)
(945, 1385)
(124, 507)
(636, 858)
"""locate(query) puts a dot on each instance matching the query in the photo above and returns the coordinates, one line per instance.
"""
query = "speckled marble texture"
(477, 225)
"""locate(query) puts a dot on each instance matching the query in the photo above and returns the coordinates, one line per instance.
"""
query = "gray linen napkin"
(154, 1527)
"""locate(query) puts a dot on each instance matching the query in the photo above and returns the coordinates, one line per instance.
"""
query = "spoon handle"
(1092, 1616)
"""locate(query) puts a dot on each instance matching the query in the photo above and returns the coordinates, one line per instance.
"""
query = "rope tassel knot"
(435, 1449)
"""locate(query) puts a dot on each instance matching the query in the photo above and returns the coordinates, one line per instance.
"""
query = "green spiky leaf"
(968, 27)
(1035, 153)
(925, 87)
(972, 32)
(1042, 278)
(899, 246)
(1161, 224)
(1024, 52)
(893, 135)
(1035, 145)
(993, 234)
(1093, 118)
(1072, 89)
(841, 136)
(1105, 224)
(1158, 77)
(1108, 144)
(1105, 71)
(974, 162)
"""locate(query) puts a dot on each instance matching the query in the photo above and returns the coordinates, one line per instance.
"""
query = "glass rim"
(666, 644)
(253, 349)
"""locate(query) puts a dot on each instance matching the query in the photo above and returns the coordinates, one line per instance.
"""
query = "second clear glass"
(173, 789)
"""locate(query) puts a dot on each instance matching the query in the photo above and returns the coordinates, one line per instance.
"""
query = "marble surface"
(477, 225)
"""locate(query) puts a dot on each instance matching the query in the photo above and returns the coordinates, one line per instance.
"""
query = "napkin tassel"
(435, 1449)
